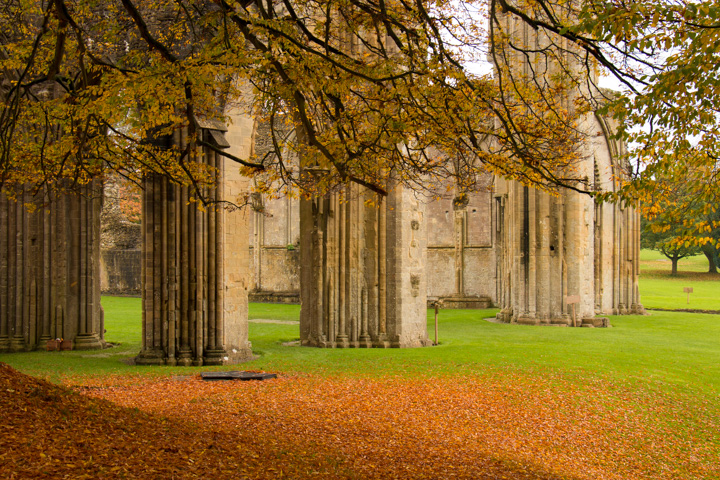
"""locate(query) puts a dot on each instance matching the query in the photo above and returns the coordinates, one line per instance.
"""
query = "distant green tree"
(712, 255)
(669, 238)
(677, 221)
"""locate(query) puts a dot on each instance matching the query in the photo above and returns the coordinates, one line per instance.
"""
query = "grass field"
(674, 349)
(664, 350)
(638, 400)
(658, 289)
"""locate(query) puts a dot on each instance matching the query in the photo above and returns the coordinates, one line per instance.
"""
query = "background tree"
(363, 91)
(678, 222)
(669, 239)
(712, 254)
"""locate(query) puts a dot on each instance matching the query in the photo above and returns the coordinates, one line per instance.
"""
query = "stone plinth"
(362, 280)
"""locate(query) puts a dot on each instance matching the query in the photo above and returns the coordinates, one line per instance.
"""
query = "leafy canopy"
(355, 90)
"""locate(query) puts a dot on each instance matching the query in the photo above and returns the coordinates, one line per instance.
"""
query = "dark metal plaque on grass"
(210, 376)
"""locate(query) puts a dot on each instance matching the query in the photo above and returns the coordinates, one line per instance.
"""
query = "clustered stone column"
(49, 275)
(547, 249)
(562, 253)
(195, 266)
(561, 250)
(617, 232)
(362, 270)
(617, 263)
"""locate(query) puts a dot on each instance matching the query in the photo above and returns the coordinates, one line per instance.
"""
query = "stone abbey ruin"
(362, 271)
(364, 274)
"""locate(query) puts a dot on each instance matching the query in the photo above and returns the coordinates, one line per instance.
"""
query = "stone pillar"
(362, 270)
(617, 232)
(459, 219)
(83, 239)
(580, 255)
(557, 249)
(233, 239)
(617, 260)
(49, 269)
(406, 260)
(547, 243)
(195, 263)
(566, 245)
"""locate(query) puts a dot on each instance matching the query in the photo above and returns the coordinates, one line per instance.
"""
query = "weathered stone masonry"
(195, 265)
(460, 258)
(120, 243)
(49, 281)
(557, 246)
(363, 270)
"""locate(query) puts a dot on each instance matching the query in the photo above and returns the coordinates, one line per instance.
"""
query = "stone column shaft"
(362, 271)
(195, 262)
(49, 269)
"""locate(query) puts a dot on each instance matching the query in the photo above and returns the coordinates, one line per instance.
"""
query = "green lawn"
(123, 330)
(658, 289)
(665, 350)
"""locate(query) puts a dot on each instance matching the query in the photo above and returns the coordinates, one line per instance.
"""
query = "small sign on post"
(688, 290)
(572, 300)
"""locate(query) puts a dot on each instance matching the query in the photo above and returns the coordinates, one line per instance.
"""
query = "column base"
(42, 343)
(217, 356)
(526, 320)
(382, 341)
(184, 359)
(595, 322)
(88, 341)
(504, 315)
(150, 357)
(17, 344)
(238, 355)
(638, 309)
(418, 342)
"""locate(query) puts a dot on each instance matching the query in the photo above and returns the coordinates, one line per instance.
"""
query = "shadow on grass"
(694, 276)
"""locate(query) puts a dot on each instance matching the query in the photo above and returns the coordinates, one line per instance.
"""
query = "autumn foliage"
(513, 426)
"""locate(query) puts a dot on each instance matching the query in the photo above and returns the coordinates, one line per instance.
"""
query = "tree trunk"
(711, 255)
(674, 261)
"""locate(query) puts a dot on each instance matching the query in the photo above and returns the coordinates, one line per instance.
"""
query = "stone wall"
(460, 258)
(461, 254)
(120, 242)
(275, 252)
(49, 278)
(120, 271)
